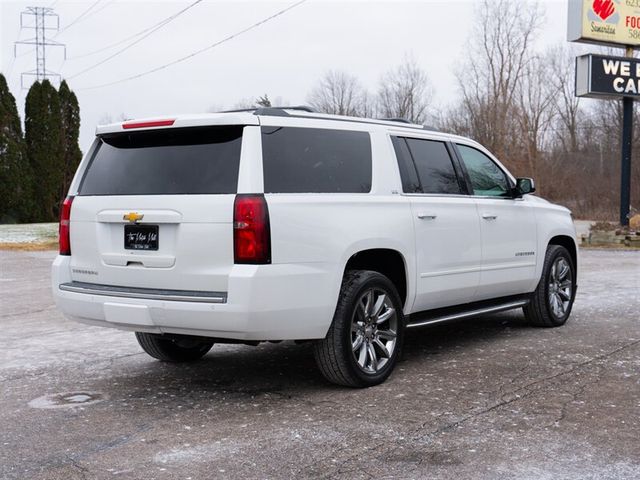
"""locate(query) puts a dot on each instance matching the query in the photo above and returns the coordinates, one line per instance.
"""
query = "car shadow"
(287, 369)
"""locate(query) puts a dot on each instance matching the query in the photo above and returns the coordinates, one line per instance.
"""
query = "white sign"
(609, 22)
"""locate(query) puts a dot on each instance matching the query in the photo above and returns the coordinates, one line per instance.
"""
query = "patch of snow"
(66, 400)
(28, 232)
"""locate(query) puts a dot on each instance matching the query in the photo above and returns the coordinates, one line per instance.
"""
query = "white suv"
(283, 224)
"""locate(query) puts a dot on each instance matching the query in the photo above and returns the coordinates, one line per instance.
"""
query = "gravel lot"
(489, 398)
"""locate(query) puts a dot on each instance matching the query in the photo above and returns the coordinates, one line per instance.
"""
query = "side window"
(487, 179)
(408, 173)
(313, 160)
(425, 166)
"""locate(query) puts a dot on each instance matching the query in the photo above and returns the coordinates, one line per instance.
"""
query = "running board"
(450, 314)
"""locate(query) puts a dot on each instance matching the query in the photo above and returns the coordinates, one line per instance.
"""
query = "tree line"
(517, 101)
(36, 168)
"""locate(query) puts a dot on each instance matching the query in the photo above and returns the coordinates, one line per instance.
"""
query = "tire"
(368, 316)
(552, 301)
(173, 348)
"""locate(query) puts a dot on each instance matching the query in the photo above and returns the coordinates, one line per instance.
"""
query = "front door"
(507, 225)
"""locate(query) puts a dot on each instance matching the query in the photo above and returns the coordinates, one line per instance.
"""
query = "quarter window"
(425, 166)
(487, 179)
(312, 160)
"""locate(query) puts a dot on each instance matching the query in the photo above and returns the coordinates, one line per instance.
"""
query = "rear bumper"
(263, 302)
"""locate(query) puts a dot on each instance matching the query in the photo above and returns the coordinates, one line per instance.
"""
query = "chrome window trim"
(457, 195)
(144, 293)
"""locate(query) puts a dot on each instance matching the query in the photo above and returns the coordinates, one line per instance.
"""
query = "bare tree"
(107, 118)
(495, 66)
(566, 103)
(405, 92)
(339, 93)
(535, 104)
(263, 101)
(245, 104)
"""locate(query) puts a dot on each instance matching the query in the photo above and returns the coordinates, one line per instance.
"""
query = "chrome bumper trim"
(145, 293)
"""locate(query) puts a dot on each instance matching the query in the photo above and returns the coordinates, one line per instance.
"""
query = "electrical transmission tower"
(43, 20)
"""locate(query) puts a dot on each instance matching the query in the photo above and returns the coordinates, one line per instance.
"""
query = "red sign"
(604, 8)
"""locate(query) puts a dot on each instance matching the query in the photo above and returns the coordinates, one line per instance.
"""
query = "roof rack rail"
(273, 111)
(395, 119)
(404, 120)
(282, 112)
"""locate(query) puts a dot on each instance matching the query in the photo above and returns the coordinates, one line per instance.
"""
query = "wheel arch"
(569, 243)
(387, 261)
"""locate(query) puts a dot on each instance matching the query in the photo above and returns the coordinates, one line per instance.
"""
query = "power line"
(10, 69)
(158, 27)
(120, 42)
(95, 12)
(78, 18)
(13, 59)
(198, 52)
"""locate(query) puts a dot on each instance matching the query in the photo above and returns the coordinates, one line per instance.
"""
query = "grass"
(612, 246)
(30, 246)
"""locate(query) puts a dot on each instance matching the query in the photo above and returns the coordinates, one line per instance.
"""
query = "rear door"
(447, 229)
(154, 209)
(508, 228)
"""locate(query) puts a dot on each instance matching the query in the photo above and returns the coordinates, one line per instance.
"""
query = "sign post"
(627, 139)
(613, 23)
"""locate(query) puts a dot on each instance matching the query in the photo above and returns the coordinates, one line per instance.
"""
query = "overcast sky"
(283, 58)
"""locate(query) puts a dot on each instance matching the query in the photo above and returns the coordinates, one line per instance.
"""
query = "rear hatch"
(154, 209)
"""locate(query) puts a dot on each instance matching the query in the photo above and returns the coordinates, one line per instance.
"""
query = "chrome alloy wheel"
(374, 327)
(560, 287)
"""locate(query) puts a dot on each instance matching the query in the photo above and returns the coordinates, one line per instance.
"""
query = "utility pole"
(43, 20)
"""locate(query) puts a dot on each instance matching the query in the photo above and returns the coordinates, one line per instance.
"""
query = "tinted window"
(170, 161)
(408, 173)
(434, 166)
(310, 160)
(486, 177)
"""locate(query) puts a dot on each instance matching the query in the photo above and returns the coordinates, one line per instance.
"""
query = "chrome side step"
(474, 312)
(144, 293)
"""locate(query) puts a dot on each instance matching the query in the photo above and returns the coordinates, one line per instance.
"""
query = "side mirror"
(525, 186)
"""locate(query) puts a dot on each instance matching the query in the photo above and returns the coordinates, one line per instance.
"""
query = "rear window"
(165, 162)
(312, 160)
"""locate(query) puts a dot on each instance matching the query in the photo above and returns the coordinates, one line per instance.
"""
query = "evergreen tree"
(43, 138)
(14, 168)
(70, 116)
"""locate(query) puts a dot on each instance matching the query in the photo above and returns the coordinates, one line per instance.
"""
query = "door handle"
(489, 216)
(427, 216)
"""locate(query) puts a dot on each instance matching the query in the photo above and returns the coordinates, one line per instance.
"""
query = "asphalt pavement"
(484, 399)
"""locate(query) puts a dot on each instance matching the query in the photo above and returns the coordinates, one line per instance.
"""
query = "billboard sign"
(610, 22)
(603, 76)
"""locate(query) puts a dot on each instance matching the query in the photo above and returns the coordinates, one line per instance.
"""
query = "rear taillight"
(251, 231)
(64, 230)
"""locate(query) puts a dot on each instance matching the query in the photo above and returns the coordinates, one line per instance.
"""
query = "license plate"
(141, 237)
